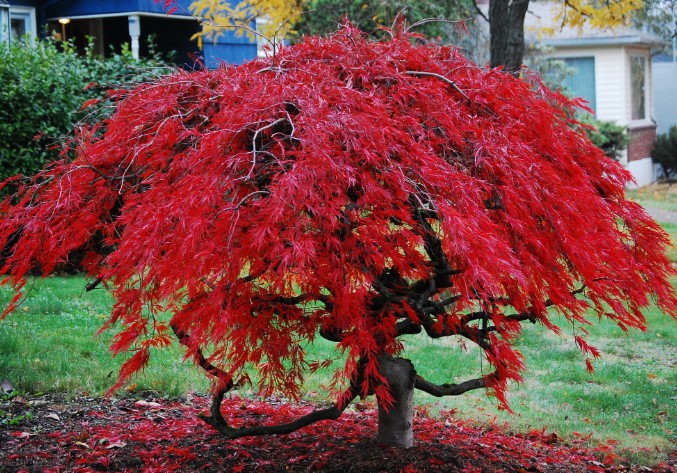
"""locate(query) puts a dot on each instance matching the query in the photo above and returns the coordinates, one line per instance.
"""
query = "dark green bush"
(609, 137)
(43, 87)
(664, 152)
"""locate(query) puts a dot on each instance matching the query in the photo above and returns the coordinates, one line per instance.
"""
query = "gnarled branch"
(203, 362)
(407, 327)
(333, 336)
(93, 284)
(440, 390)
(217, 421)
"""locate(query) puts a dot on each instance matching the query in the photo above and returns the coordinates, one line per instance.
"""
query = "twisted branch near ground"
(217, 421)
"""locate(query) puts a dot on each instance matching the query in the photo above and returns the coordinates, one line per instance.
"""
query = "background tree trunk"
(395, 423)
(506, 28)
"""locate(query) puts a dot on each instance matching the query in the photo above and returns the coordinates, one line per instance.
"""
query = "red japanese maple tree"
(353, 190)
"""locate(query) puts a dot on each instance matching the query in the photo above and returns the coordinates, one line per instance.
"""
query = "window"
(637, 87)
(21, 22)
(581, 82)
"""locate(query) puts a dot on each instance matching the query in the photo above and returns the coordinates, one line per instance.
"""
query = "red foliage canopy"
(358, 190)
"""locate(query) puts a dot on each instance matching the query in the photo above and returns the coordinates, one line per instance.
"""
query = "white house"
(613, 72)
(112, 23)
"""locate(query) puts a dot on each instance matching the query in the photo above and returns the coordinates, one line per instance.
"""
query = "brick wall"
(641, 142)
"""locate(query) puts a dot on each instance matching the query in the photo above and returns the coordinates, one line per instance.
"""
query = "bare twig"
(438, 76)
(433, 20)
(479, 11)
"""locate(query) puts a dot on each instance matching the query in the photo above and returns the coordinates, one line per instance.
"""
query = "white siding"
(610, 80)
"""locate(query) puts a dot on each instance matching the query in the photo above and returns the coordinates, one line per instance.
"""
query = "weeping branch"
(517, 317)
(215, 417)
(333, 336)
(406, 326)
(442, 270)
(439, 390)
(437, 330)
(203, 362)
(225, 380)
(436, 308)
(217, 421)
(93, 284)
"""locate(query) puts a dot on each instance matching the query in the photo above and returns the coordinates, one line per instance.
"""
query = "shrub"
(608, 136)
(664, 152)
(43, 87)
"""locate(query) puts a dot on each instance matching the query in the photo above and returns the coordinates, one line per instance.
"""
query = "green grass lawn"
(671, 229)
(657, 196)
(663, 197)
(629, 398)
(50, 344)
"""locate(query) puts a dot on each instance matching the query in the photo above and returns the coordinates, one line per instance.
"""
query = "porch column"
(4, 21)
(134, 32)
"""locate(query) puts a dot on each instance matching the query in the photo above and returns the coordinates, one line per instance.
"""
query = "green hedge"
(42, 88)
(665, 153)
(608, 136)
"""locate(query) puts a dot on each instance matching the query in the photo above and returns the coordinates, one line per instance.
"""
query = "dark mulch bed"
(154, 435)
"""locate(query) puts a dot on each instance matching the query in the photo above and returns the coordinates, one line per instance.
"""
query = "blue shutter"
(582, 82)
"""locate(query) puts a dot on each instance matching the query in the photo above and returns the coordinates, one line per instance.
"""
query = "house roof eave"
(49, 3)
(125, 14)
(583, 42)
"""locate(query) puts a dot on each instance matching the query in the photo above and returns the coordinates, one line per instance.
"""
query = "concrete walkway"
(661, 215)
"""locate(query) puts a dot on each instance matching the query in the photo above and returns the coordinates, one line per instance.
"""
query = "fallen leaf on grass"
(53, 416)
(6, 387)
(118, 444)
(21, 400)
(151, 404)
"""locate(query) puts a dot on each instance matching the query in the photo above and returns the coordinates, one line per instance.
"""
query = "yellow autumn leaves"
(597, 14)
(276, 18)
(273, 18)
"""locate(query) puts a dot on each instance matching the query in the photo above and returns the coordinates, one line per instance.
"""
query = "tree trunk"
(506, 28)
(395, 423)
